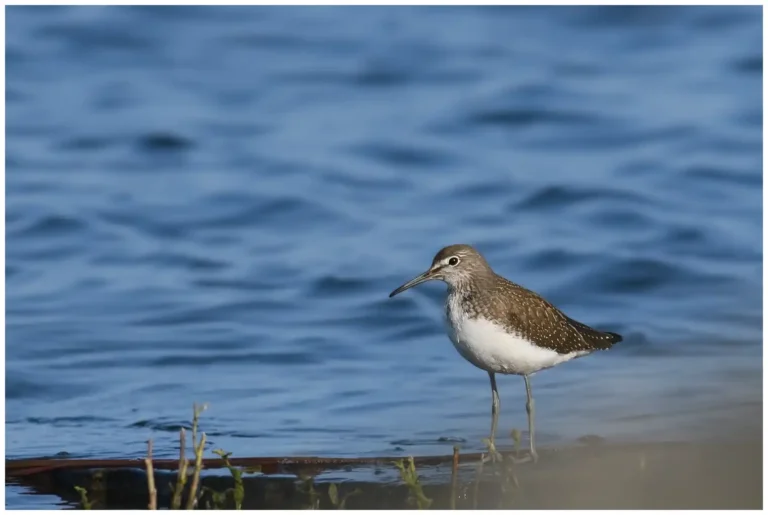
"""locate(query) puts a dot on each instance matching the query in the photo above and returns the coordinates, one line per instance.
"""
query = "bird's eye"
(453, 261)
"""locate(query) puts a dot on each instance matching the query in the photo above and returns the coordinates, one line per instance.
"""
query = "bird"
(504, 328)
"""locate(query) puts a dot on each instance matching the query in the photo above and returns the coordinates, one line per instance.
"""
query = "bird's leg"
(495, 404)
(529, 407)
(493, 454)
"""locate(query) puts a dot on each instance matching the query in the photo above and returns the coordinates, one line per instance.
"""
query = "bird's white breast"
(488, 346)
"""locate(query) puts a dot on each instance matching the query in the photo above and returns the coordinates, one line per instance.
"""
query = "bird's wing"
(547, 326)
(604, 338)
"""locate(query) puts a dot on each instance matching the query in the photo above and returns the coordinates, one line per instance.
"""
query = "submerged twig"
(411, 479)
(198, 448)
(84, 502)
(151, 478)
(308, 485)
(454, 475)
(340, 502)
(192, 499)
(181, 478)
(238, 492)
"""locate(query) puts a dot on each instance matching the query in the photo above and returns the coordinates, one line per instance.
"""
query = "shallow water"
(212, 204)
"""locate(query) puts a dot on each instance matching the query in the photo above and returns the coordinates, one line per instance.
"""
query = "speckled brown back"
(534, 318)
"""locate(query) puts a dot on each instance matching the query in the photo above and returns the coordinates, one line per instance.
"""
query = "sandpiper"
(501, 327)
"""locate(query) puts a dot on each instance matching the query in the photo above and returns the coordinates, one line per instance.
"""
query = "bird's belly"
(489, 347)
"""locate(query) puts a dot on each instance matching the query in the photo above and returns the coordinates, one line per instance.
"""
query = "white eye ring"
(453, 261)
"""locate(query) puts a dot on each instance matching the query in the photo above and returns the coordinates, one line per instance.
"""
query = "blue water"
(212, 205)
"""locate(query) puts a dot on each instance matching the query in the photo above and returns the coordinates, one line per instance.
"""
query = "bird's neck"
(464, 292)
(470, 283)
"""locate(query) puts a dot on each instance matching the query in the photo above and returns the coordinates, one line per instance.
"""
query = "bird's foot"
(493, 455)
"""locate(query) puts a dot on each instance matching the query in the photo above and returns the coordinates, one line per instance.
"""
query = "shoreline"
(673, 475)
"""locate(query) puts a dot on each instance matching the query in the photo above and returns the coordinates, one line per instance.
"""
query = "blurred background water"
(212, 204)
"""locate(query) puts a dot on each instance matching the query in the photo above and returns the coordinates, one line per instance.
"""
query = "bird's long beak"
(426, 276)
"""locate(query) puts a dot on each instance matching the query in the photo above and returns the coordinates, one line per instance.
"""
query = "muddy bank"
(670, 476)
